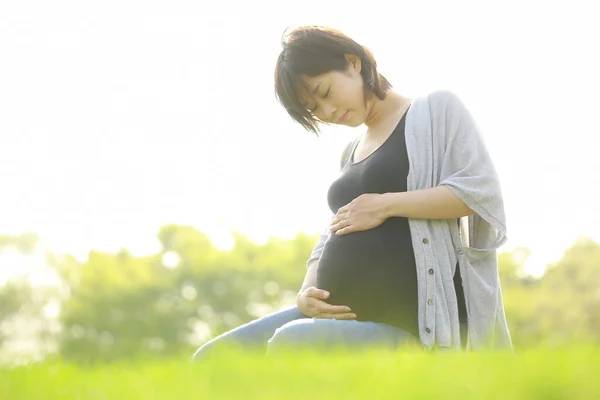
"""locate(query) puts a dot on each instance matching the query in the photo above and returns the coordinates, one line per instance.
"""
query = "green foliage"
(21, 304)
(122, 306)
(569, 373)
(561, 307)
(119, 306)
(13, 298)
(25, 243)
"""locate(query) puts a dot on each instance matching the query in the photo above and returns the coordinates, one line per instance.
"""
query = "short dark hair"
(315, 50)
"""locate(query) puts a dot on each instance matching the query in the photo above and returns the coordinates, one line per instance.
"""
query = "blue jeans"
(290, 328)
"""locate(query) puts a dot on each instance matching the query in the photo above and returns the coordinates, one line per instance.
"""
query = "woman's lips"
(343, 118)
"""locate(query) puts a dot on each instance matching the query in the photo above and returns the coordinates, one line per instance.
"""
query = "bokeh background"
(154, 193)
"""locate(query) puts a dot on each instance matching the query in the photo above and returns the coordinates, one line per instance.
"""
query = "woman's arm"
(310, 278)
(434, 203)
(370, 210)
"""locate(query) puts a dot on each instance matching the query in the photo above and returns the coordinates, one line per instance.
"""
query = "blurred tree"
(561, 307)
(25, 243)
(26, 311)
(570, 308)
(13, 297)
(125, 306)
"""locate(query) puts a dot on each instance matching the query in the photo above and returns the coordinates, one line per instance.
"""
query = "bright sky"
(117, 117)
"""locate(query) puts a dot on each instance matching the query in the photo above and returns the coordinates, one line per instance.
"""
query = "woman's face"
(338, 96)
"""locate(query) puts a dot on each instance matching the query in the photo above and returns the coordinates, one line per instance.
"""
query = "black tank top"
(373, 272)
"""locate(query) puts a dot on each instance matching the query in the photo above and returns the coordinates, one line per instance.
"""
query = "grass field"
(537, 374)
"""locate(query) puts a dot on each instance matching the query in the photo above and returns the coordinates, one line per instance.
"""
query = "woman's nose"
(329, 110)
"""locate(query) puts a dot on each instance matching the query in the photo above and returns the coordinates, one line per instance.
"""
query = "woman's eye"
(326, 95)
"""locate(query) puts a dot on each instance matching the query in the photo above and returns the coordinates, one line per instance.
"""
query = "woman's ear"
(353, 62)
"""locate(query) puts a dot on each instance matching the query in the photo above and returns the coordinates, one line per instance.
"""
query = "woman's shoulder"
(347, 151)
(440, 104)
(439, 97)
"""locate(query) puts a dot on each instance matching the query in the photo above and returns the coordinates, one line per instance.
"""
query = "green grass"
(537, 374)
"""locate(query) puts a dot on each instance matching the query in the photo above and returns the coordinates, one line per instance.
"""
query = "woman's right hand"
(311, 302)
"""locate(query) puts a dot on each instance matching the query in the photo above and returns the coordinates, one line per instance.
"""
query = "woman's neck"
(382, 110)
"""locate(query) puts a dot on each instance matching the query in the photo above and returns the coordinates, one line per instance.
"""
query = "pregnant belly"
(365, 275)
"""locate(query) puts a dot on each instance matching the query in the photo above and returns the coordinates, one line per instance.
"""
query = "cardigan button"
(427, 330)
(425, 240)
(430, 271)
(460, 250)
(430, 302)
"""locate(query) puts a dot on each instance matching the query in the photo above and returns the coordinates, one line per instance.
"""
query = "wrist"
(390, 204)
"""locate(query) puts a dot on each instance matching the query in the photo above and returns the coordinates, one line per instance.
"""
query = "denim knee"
(295, 333)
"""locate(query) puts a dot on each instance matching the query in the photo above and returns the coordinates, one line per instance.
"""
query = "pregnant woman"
(373, 271)
(409, 255)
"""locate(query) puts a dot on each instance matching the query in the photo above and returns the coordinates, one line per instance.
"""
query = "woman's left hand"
(365, 212)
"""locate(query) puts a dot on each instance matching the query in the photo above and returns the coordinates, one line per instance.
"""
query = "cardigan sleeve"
(468, 170)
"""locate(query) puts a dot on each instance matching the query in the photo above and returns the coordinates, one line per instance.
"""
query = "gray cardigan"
(445, 147)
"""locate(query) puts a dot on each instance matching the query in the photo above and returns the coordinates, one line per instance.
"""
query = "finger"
(326, 308)
(341, 225)
(343, 316)
(316, 293)
(335, 227)
(329, 309)
(340, 214)
(336, 220)
(345, 231)
(342, 210)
